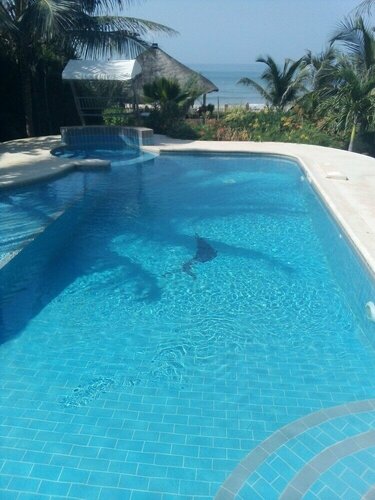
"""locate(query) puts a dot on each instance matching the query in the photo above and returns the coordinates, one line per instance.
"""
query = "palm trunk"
(46, 101)
(27, 96)
(352, 136)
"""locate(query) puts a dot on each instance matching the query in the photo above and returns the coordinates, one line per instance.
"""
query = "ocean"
(225, 77)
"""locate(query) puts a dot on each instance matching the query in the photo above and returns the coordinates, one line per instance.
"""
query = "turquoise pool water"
(123, 376)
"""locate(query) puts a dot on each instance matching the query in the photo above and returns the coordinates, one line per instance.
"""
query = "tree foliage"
(81, 27)
(283, 85)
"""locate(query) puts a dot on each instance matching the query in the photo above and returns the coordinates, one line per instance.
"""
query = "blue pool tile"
(11, 495)
(146, 458)
(115, 455)
(10, 442)
(122, 467)
(94, 464)
(227, 443)
(84, 491)
(169, 460)
(186, 450)
(5, 430)
(136, 482)
(165, 485)
(38, 457)
(206, 452)
(102, 442)
(65, 460)
(86, 451)
(42, 425)
(128, 444)
(4, 480)
(74, 475)
(198, 463)
(16, 468)
(51, 436)
(115, 494)
(172, 438)
(53, 447)
(235, 454)
(151, 470)
(175, 419)
(117, 433)
(24, 484)
(98, 478)
(194, 487)
(159, 427)
(77, 439)
(157, 447)
(12, 453)
(65, 427)
(147, 495)
(42, 471)
(221, 464)
(170, 496)
(211, 475)
(54, 488)
(84, 420)
(181, 473)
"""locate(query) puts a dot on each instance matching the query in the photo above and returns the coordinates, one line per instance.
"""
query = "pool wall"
(108, 136)
(346, 263)
(21, 275)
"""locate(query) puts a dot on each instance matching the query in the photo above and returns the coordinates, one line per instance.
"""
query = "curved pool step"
(282, 463)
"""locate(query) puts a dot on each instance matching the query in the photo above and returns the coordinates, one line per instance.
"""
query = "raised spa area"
(180, 321)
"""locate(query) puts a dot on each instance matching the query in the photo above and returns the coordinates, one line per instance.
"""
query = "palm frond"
(7, 22)
(48, 18)
(131, 24)
(358, 38)
(248, 82)
(92, 44)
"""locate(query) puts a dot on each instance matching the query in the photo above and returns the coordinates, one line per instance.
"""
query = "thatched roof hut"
(156, 63)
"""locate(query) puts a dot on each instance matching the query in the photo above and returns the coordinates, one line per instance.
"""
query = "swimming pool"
(126, 376)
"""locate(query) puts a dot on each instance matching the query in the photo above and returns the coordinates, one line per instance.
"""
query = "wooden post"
(77, 103)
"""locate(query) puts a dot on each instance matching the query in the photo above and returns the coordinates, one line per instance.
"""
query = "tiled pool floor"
(327, 454)
(123, 378)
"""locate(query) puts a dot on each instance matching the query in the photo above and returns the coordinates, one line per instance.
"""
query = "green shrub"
(275, 125)
(162, 120)
(116, 115)
(182, 130)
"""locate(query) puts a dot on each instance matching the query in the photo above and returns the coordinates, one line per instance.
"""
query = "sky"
(239, 31)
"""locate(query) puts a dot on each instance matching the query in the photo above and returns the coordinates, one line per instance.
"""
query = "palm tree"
(319, 69)
(358, 38)
(81, 25)
(170, 103)
(163, 91)
(283, 86)
(353, 97)
(350, 103)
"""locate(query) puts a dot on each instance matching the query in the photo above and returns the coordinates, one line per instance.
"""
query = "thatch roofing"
(156, 63)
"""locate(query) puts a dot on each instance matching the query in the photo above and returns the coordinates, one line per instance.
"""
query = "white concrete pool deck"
(352, 201)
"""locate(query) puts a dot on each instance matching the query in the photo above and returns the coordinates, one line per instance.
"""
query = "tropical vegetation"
(326, 98)
(335, 90)
(283, 85)
(36, 33)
